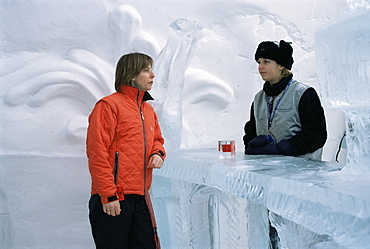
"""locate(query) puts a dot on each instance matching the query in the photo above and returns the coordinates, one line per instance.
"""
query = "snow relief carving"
(52, 96)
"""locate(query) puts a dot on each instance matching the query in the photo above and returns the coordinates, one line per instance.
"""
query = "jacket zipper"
(116, 165)
(144, 138)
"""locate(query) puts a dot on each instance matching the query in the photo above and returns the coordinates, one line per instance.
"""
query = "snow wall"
(58, 59)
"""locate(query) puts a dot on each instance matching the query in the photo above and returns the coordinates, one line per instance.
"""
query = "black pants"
(131, 229)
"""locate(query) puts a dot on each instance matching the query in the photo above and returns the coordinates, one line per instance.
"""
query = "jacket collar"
(277, 88)
(135, 93)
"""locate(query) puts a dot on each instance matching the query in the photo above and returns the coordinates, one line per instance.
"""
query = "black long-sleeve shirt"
(313, 134)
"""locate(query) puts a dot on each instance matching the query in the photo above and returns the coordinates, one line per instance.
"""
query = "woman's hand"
(155, 162)
(112, 208)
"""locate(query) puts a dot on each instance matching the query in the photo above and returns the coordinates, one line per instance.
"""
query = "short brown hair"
(129, 66)
(286, 72)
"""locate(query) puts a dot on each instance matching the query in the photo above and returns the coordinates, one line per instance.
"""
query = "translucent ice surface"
(170, 68)
(358, 139)
(358, 5)
(343, 58)
(207, 202)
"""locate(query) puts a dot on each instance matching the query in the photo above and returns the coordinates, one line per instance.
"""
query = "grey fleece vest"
(286, 122)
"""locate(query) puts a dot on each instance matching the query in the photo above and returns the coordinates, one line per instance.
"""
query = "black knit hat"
(281, 52)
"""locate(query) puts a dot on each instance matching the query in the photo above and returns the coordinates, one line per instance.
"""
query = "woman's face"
(144, 80)
(269, 70)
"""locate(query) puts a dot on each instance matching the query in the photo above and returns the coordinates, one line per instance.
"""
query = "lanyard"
(272, 114)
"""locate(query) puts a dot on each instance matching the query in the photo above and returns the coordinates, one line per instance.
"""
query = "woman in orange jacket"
(124, 144)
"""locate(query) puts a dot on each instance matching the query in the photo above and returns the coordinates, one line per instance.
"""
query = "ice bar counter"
(202, 201)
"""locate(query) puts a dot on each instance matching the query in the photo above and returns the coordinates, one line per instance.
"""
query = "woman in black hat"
(286, 116)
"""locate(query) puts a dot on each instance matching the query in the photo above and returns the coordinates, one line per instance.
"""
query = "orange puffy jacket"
(122, 123)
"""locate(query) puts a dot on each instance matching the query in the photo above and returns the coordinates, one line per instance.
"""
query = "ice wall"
(343, 58)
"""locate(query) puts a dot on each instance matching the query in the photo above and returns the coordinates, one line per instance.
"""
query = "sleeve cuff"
(159, 153)
(105, 199)
(284, 148)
